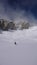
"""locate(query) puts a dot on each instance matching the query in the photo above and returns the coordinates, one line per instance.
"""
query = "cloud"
(17, 15)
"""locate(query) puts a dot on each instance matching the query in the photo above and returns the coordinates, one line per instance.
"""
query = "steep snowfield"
(24, 53)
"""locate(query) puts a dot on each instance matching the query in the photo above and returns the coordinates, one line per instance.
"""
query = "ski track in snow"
(24, 53)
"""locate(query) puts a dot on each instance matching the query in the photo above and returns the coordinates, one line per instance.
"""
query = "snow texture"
(25, 50)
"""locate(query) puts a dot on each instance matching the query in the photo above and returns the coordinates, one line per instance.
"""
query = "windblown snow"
(25, 50)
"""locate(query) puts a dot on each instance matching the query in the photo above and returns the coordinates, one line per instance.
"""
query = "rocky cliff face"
(6, 25)
(23, 25)
(11, 25)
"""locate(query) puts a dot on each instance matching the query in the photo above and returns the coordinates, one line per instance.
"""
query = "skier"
(15, 43)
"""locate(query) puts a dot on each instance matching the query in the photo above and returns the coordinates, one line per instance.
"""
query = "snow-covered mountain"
(25, 50)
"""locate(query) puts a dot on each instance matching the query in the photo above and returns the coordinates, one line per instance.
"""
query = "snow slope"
(24, 53)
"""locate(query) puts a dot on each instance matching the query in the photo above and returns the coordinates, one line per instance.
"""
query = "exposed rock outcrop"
(6, 25)
(11, 25)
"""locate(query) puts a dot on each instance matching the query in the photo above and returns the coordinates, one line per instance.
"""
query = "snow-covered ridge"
(20, 34)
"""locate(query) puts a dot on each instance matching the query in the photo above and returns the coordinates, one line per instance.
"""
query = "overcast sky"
(22, 4)
(14, 8)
